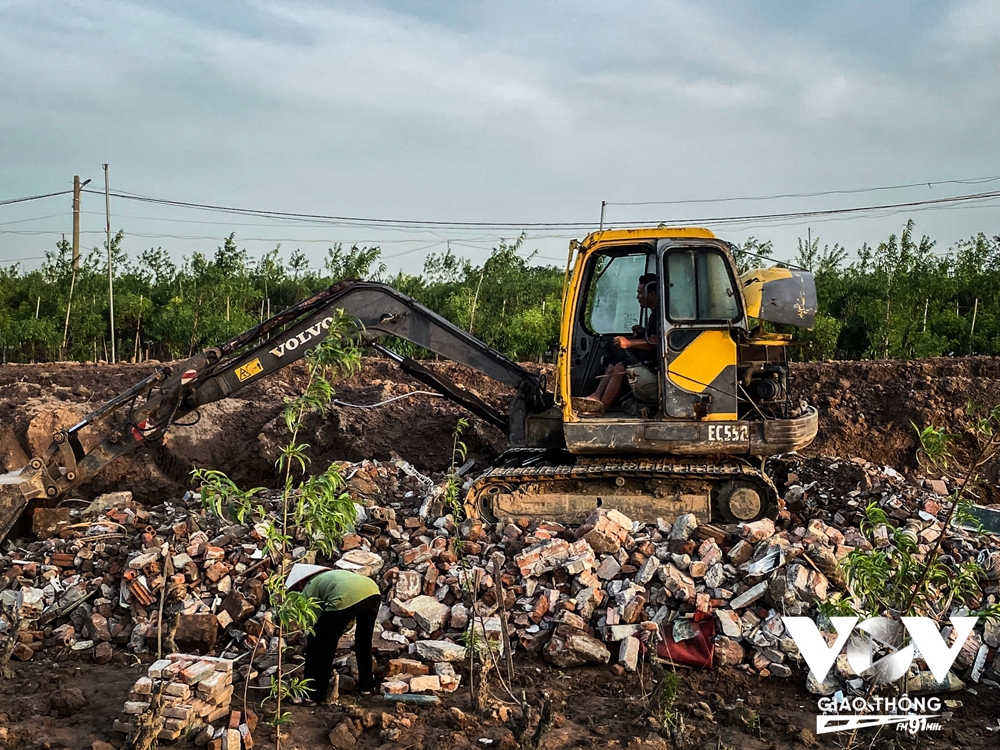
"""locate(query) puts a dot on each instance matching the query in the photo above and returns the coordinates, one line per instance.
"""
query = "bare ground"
(868, 409)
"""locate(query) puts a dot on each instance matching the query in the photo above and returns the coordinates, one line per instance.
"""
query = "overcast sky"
(500, 112)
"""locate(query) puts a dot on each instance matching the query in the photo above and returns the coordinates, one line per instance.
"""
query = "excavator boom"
(148, 409)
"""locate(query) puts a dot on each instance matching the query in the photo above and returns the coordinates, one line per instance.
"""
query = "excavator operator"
(633, 356)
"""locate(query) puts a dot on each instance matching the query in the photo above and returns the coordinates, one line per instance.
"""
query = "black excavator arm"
(150, 407)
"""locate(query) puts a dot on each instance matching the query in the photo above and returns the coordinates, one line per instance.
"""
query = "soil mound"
(242, 435)
(874, 409)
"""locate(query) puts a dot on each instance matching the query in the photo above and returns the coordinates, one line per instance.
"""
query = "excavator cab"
(715, 377)
(697, 312)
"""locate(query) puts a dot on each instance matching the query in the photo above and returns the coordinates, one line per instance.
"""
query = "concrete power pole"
(77, 189)
(76, 221)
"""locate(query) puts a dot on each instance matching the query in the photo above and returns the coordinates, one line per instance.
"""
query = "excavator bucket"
(17, 489)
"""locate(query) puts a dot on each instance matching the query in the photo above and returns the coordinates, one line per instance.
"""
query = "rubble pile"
(95, 579)
(608, 592)
(612, 590)
(193, 692)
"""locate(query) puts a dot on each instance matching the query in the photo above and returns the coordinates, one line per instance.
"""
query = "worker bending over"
(343, 597)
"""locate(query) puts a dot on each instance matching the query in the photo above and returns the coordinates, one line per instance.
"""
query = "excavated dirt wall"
(867, 409)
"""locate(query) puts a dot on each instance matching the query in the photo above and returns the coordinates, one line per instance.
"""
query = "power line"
(26, 221)
(747, 221)
(13, 261)
(742, 223)
(851, 191)
(217, 238)
(985, 200)
(914, 205)
(417, 225)
(11, 201)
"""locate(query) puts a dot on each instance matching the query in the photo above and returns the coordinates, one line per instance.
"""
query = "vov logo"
(879, 635)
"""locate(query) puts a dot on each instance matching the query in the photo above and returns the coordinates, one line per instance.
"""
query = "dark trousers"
(321, 646)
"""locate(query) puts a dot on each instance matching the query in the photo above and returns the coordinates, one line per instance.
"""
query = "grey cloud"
(495, 111)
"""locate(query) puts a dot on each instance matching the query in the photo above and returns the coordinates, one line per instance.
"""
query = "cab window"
(611, 305)
(699, 287)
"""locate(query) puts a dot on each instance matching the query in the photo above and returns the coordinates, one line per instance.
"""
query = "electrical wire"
(851, 191)
(27, 221)
(434, 228)
(742, 223)
(15, 261)
(421, 225)
(12, 201)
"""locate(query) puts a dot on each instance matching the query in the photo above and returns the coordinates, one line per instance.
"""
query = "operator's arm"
(645, 338)
(624, 342)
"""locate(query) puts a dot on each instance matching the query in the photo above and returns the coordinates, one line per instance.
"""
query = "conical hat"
(301, 571)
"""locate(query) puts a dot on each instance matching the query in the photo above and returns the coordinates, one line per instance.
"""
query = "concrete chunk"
(750, 596)
(628, 653)
(683, 527)
(588, 648)
(646, 572)
(757, 531)
(439, 651)
(430, 614)
(729, 623)
(409, 584)
(361, 562)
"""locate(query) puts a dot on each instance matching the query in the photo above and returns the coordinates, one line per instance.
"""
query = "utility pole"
(111, 278)
(604, 205)
(76, 221)
(77, 189)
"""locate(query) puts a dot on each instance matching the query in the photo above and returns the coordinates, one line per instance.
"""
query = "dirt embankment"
(240, 435)
(867, 409)
(873, 409)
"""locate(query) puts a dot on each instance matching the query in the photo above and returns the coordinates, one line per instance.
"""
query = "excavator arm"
(147, 410)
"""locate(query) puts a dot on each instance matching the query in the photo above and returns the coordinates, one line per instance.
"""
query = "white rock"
(646, 572)
(439, 651)
(729, 623)
(683, 527)
(361, 562)
(715, 576)
(430, 614)
(409, 584)
(628, 653)
(749, 596)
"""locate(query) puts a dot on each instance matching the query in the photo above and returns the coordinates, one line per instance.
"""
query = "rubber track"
(597, 469)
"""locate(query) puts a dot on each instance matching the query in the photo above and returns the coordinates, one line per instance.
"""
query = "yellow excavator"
(708, 399)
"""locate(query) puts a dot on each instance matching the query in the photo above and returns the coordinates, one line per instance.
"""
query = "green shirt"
(339, 589)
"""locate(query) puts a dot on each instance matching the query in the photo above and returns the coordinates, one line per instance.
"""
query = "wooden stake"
(972, 331)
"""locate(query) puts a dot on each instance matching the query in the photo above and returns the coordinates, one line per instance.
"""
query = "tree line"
(166, 311)
(901, 298)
